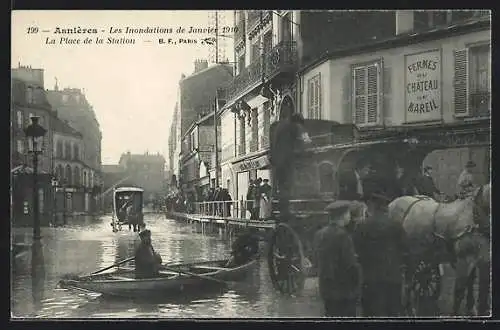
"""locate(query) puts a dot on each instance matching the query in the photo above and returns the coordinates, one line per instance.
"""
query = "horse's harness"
(478, 213)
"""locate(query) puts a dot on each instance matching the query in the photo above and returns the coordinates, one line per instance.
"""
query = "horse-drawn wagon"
(127, 208)
(311, 173)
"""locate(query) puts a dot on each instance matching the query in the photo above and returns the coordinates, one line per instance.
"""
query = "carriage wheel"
(286, 259)
(424, 289)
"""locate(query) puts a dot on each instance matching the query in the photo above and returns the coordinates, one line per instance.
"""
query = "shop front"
(251, 168)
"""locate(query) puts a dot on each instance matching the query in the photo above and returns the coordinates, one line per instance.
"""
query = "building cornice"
(473, 25)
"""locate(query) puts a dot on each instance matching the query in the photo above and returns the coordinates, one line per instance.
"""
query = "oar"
(113, 265)
(74, 276)
(208, 278)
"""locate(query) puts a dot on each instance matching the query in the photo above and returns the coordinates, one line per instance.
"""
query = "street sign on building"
(423, 86)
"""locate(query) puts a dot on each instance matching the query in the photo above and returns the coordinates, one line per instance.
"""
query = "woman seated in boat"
(147, 261)
(244, 248)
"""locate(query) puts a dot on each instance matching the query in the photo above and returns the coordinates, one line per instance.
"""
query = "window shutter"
(318, 91)
(309, 98)
(359, 114)
(372, 97)
(461, 83)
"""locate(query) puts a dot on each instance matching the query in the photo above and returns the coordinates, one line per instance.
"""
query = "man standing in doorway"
(338, 269)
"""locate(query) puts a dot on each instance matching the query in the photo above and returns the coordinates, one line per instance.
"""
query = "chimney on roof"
(404, 21)
(200, 65)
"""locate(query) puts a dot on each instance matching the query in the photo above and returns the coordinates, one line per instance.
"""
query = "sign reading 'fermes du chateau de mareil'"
(423, 86)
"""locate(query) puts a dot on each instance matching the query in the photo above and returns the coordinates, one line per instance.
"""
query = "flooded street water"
(86, 245)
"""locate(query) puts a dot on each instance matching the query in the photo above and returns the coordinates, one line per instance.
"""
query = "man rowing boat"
(147, 261)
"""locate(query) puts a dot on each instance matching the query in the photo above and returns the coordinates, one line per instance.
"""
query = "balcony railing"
(281, 58)
(239, 34)
(254, 18)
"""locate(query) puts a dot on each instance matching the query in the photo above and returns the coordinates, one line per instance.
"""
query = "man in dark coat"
(381, 246)
(256, 198)
(244, 248)
(147, 261)
(426, 184)
(249, 197)
(352, 183)
(404, 184)
(226, 197)
(338, 269)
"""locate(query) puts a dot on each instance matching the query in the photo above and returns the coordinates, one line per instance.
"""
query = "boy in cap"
(338, 268)
(147, 261)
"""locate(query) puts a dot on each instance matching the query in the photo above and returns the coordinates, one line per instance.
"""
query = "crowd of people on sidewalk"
(259, 199)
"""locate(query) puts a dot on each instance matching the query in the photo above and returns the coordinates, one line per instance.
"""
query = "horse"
(482, 263)
(445, 232)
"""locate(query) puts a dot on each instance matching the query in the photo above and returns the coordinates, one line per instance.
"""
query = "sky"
(133, 88)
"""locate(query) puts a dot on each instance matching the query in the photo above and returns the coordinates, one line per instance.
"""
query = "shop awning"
(258, 163)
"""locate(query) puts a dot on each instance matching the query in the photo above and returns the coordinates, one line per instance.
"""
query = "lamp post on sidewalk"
(35, 134)
(54, 184)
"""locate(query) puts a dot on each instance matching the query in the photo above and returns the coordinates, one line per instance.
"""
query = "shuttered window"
(19, 119)
(254, 144)
(242, 144)
(367, 94)
(472, 81)
(314, 97)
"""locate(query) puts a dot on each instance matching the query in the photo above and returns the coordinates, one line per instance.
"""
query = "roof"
(60, 126)
(474, 24)
(127, 189)
(210, 68)
(112, 168)
(143, 158)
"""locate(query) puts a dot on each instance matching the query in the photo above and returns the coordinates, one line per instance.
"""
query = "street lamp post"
(35, 133)
(54, 206)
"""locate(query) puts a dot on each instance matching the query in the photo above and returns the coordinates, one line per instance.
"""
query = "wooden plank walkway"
(223, 221)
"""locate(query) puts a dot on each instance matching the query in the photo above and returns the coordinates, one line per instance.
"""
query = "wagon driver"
(147, 261)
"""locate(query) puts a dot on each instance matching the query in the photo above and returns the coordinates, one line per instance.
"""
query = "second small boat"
(172, 279)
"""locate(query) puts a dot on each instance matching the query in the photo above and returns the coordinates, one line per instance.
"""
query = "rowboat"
(127, 207)
(173, 279)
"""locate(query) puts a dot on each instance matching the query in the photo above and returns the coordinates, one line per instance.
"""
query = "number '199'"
(32, 29)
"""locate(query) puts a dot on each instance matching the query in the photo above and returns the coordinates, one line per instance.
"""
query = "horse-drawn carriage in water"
(127, 208)
(310, 173)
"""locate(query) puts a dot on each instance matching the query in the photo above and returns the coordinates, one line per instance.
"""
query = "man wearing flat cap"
(147, 261)
(466, 182)
(338, 268)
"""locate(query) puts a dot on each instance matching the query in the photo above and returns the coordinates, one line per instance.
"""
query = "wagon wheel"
(424, 289)
(286, 259)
